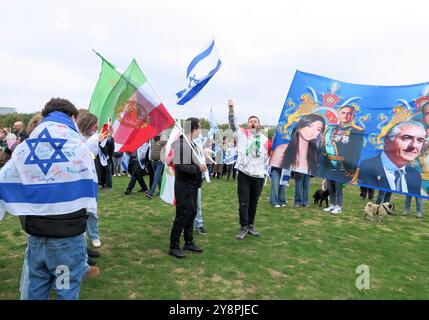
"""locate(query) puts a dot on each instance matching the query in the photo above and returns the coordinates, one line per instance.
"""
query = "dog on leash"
(379, 210)
(319, 196)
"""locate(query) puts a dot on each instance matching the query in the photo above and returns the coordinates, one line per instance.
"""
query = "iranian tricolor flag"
(129, 100)
(168, 178)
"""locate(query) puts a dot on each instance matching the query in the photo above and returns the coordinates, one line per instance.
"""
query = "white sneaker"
(337, 210)
(419, 215)
(96, 243)
(329, 209)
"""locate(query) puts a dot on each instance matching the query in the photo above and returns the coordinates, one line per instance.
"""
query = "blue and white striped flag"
(284, 178)
(213, 125)
(124, 162)
(201, 69)
(50, 173)
(231, 155)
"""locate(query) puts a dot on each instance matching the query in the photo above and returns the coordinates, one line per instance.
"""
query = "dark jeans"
(383, 196)
(249, 190)
(230, 168)
(302, 188)
(157, 167)
(186, 210)
(366, 191)
(107, 174)
(137, 175)
(150, 172)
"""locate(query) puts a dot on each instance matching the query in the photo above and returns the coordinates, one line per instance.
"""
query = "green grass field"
(302, 254)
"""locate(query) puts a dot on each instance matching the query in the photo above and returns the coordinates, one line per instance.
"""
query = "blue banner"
(373, 136)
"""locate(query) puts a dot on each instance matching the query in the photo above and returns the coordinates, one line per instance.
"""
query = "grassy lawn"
(302, 254)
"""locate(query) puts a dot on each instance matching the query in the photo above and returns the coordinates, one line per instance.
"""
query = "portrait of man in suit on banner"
(392, 168)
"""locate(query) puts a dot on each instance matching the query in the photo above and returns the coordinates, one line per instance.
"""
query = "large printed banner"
(373, 136)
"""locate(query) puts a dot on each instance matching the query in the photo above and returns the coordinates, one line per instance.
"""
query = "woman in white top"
(87, 124)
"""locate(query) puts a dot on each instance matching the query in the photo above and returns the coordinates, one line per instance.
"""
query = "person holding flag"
(252, 148)
(188, 179)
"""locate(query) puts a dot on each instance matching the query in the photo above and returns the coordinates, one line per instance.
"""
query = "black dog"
(320, 196)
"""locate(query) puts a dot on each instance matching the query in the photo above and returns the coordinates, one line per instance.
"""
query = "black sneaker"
(149, 195)
(242, 234)
(192, 247)
(201, 230)
(127, 192)
(177, 252)
(92, 253)
(253, 231)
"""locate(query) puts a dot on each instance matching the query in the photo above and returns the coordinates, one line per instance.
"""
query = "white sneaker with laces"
(337, 210)
(96, 243)
(329, 209)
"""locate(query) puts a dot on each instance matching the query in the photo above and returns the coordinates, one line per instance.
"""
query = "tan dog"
(380, 210)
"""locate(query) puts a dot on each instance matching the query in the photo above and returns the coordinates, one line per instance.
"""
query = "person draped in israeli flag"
(201, 69)
(51, 183)
(53, 157)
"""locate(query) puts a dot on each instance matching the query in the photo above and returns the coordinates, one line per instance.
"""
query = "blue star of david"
(56, 144)
(193, 79)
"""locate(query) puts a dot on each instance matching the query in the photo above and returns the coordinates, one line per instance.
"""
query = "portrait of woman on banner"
(301, 154)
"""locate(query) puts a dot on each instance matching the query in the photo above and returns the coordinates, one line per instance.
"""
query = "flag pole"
(189, 143)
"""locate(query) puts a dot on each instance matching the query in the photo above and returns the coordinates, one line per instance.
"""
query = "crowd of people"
(244, 158)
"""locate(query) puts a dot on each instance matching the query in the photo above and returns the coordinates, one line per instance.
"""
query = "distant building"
(7, 110)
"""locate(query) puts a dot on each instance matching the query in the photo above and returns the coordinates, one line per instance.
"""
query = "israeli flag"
(284, 178)
(201, 69)
(50, 173)
(125, 161)
(213, 125)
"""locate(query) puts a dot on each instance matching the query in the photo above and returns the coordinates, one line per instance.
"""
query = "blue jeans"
(23, 285)
(277, 192)
(335, 193)
(419, 204)
(383, 196)
(58, 264)
(117, 168)
(92, 226)
(198, 222)
(302, 188)
(157, 166)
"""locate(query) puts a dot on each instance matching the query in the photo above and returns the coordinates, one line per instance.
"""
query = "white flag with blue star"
(50, 173)
(201, 69)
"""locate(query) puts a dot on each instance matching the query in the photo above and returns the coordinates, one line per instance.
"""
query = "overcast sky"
(46, 48)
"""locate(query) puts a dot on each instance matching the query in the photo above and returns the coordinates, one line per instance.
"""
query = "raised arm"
(231, 116)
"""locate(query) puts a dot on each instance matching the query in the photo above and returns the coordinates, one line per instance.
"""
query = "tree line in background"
(7, 120)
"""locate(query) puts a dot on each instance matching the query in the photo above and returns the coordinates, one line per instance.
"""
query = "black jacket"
(56, 226)
(186, 164)
(372, 174)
